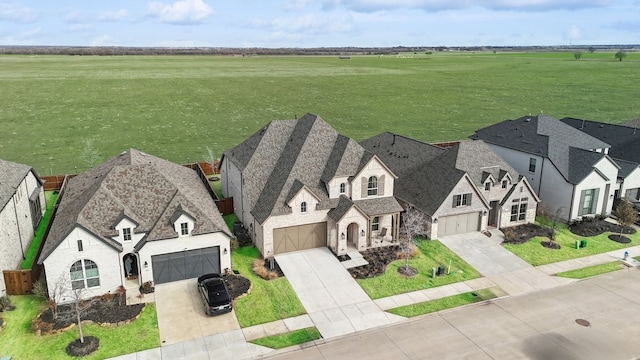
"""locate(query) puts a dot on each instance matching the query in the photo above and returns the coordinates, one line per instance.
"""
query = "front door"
(493, 213)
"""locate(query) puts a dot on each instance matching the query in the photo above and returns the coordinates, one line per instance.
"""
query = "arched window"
(84, 274)
(372, 186)
(375, 224)
(343, 188)
(303, 207)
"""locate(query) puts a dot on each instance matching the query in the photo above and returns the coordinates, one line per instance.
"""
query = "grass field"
(177, 106)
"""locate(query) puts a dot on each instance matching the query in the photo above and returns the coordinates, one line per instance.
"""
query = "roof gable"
(624, 140)
(11, 175)
(478, 160)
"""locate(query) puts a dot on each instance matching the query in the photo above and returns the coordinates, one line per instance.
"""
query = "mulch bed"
(237, 285)
(378, 259)
(79, 349)
(619, 239)
(103, 310)
(522, 233)
(593, 227)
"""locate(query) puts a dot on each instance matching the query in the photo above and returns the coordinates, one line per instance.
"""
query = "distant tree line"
(229, 51)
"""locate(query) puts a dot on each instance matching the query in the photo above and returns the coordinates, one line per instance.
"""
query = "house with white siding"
(22, 204)
(132, 219)
(299, 184)
(569, 169)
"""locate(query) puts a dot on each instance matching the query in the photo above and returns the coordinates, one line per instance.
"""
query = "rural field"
(180, 107)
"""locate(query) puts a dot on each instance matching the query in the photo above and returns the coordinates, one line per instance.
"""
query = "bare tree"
(412, 225)
(57, 291)
(626, 214)
(80, 308)
(90, 154)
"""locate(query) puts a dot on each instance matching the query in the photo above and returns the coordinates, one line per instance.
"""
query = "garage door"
(301, 237)
(185, 264)
(458, 224)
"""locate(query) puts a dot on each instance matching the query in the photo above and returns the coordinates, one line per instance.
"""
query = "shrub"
(40, 289)
(41, 327)
(5, 303)
(509, 235)
(234, 244)
(413, 251)
(262, 271)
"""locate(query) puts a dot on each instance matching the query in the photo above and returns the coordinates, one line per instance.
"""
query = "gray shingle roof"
(399, 152)
(478, 160)
(11, 175)
(147, 189)
(544, 136)
(285, 154)
(626, 167)
(624, 140)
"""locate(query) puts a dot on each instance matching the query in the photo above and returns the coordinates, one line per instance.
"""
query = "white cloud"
(104, 40)
(308, 24)
(438, 5)
(182, 12)
(108, 16)
(16, 13)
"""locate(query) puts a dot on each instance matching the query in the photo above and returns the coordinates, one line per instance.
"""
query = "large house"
(625, 151)
(132, 219)
(568, 168)
(22, 205)
(299, 184)
(462, 188)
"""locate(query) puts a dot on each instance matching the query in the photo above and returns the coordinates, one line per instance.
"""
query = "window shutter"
(470, 199)
(454, 201)
(581, 203)
(594, 207)
(381, 185)
(363, 186)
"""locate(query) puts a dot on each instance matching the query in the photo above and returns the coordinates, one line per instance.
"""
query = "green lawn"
(268, 300)
(32, 251)
(432, 254)
(17, 340)
(175, 107)
(592, 270)
(230, 220)
(289, 339)
(444, 303)
(217, 187)
(535, 254)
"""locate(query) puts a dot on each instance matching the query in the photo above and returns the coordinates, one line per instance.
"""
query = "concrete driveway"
(181, 314)
(336, 304)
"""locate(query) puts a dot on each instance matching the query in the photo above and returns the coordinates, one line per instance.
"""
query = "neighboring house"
(625, 151)
(132, 219)
(22, 204)
(462, 188)
(568, 169)
(299, 184)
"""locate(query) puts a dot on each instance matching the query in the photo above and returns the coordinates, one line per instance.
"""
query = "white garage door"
(458, 224)
(185, 264)
(301, 237)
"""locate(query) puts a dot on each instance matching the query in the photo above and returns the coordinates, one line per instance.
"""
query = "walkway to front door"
(334, 300)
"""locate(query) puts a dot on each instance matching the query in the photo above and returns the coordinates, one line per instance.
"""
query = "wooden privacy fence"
(225, 206)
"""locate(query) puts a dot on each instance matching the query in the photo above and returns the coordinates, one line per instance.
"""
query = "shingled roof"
(546, 136)
(142, 187)
(478, 160)
(285, 155)
(11, 175)
(624, 139)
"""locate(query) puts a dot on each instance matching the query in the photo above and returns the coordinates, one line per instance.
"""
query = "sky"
(319, 23)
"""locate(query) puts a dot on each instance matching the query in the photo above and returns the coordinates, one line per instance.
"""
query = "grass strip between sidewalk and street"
(590, 271)
(268, 300)
(444, 303)
(290, 338)
(431, 254)
(21, 343)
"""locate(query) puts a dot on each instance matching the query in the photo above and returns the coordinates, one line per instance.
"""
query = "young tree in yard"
(80, 308)
(90, 154)
(412, 226)
(56, 293)
(626, 214)
(577, 55)
(620, 55)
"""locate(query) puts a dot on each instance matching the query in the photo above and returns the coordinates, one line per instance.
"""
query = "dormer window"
(126, 234)
(343, 188)
(505, 183)
(487, 186)
(184, 228)
(372, 186)
(303, 207)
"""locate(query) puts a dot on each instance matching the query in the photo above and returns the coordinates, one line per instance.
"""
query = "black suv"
(215, 294)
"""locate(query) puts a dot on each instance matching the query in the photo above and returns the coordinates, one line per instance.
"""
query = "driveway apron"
(181, 314)
(335, 302)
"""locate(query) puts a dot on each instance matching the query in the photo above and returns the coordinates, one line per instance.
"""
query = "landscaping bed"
(237, 285)
(596, 226)
(523, 233)
(378, 259)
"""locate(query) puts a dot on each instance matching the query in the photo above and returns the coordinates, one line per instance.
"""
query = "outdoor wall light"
(342, 236)
(146, 264)
(435, 221)
(361, 232)
(484, 213)
(225, 251)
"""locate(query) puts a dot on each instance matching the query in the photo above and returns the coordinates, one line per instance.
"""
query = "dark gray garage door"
(185, 264)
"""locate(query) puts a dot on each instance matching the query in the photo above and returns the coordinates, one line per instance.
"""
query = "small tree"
(412, 226)
(620, 55)
(90, 154)
(56, 293)
(626, 214)
(80, 308)
(577, 55)
(591, 49)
